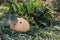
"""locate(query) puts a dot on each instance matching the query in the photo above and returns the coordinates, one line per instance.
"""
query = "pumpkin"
(48, 3)
(21, 26)
(21, 3)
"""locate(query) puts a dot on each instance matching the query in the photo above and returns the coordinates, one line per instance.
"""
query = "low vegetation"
(43, 25)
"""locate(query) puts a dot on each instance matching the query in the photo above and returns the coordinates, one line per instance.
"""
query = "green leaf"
(57, 27)
(30, 7)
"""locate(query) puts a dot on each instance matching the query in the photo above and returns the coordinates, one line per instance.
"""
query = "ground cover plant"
(40, 18)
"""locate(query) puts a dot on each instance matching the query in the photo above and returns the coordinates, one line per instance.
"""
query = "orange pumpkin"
(21, 26)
